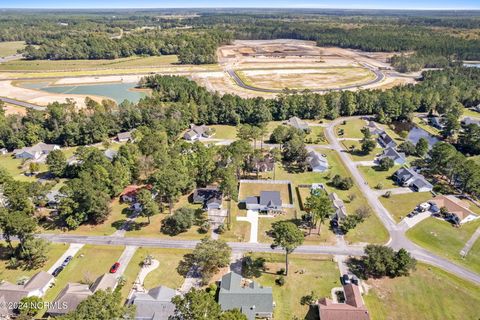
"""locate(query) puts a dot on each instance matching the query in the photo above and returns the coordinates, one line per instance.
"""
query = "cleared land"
(399, 205)
(322, 78)
(428, 293)
(9, 48)
(442, 238)
(320, 274)
(351, 129)
(376, 177)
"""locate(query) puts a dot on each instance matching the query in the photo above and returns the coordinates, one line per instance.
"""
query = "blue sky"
(354, 4)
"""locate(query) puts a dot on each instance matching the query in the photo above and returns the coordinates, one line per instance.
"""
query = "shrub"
(280, 281)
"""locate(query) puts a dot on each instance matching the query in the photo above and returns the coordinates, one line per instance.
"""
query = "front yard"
(355, 151)
(166, 274)
(352, 128)
(399, 205)
(442, 238)
(428, 293)
(375, 177)
(307, 273)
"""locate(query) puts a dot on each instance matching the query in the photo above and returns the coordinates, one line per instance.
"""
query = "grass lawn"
(44, 65)
(239, 230)
(320, 275)
(399, 205)
(12, 275)
(352, 128)
(9, 48)
(471, 113)
(89, 263)
(357, 154)
(421, 123)
(17, 168)
(224, 131)
(316, 136)
(428, 293)
(165, 274)
(442, 238)
(371, 230)
(375, 177)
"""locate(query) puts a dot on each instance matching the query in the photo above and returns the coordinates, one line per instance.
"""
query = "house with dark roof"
(392, 153)
(73, 293)
(249, 297)
(385, 140)
(211, 197)
(352, 309)
(407, 177)
(298, 123)
(436, 122)
(373, 128)
(263, 164)
(110, 154)
(11, 294)
(267, 201)
(317, 162)
(197, 132)
(156, 304)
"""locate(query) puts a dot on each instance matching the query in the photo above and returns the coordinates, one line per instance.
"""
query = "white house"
(317, 162)
(36, 151)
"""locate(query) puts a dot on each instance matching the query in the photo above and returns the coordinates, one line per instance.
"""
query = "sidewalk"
(470, 242)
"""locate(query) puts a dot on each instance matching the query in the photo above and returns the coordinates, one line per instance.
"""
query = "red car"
(115, 267)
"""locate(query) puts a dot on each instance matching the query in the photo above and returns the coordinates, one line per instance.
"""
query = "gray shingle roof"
(298, 123)
(270, 198)
(250, 299)
(155, 304)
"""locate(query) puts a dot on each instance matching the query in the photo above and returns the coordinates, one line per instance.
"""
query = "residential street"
(397, 232)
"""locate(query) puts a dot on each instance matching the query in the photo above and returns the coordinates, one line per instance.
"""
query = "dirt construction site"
(248, 68)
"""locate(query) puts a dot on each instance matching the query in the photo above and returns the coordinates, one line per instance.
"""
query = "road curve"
(379, 76)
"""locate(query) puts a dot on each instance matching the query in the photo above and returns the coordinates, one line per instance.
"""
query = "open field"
(320, 276)
(442, 238)
(316, 136)
(12, 275)
(428, 293)
(165, 274)
(77, 65)
(9, 48)
(351, 129)
(356, 153)
(399, 205)
(323, 78)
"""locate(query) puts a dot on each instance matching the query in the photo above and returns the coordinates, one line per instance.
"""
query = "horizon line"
(214, 7)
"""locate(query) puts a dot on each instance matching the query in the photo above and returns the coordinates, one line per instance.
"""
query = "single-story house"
(352, 309)
(317, 162)
(110, 154)
(436, 122)
(3, 151)
(36, 151)
(196, 132)
(458, 209)
(125, 136)
(392, 153)
(339, 206)
(156, 304)
(469, 120)
(252, 299)
(53, 198)
(11, 294)
(211, 197)
(385, 140)
(298, 123)
(407, 177)
(267, 201)
(70, 297)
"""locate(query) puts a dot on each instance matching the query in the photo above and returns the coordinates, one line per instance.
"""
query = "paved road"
(23, 104)
(379, 76)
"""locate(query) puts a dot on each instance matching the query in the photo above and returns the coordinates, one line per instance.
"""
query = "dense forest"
(437, 40)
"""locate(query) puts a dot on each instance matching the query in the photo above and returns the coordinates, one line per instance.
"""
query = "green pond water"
(116, 91)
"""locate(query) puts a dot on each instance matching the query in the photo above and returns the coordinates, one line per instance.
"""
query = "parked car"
(57, 271)
(67, 261)
(354, 280)
(345, 279)
(115, 267)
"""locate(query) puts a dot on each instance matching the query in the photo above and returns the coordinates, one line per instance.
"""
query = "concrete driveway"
(71, 251)
(252, 217)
